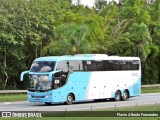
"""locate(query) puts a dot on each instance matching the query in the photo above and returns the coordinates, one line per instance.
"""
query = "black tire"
(125, 95)
(70, 99)
(117, 96)
(48, 103)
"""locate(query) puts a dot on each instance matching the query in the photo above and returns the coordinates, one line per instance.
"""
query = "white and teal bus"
(83, 77)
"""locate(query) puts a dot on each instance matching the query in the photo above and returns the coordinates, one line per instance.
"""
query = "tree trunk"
(6, 80)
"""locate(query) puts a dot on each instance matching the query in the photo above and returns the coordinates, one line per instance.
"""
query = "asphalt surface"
(144, 99)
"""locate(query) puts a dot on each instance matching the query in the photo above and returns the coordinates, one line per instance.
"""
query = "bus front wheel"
(70, 99)
(117, 96)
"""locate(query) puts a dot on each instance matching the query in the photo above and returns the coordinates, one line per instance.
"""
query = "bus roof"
(85, 57)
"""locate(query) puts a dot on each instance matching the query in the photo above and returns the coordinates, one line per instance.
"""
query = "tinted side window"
(62, 65)
(135, 64)
(124, 65)
(100, 65)
(113, 65)
(89, 65)
(75, 65)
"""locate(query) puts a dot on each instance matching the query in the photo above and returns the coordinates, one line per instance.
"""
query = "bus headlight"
(47, 96)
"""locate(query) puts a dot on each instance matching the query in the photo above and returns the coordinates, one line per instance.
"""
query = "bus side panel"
(78, 84)
(100, 85)
(136, 88)
(105, 84)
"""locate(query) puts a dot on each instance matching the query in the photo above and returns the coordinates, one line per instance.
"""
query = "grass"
(155, 107)
(151, 108)
(12, 97)
(151, 90)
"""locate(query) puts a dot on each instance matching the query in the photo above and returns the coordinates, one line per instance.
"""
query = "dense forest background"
(34, 28)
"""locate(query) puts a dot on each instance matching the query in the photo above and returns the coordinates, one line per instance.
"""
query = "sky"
(88, 3)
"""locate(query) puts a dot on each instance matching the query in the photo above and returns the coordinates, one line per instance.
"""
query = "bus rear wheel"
(125, 95)
(70, 99)
(117, 96)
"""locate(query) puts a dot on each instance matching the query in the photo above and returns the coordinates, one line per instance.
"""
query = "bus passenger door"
(56, 87)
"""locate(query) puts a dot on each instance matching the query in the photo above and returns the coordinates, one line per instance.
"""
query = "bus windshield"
(39, 82)
(41, 66)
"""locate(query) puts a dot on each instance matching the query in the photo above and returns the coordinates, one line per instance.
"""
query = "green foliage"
(70, 39)
(34, 28)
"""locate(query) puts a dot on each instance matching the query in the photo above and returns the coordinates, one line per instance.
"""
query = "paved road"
(144, 99)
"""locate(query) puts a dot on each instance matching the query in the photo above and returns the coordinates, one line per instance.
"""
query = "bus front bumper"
(39, 97)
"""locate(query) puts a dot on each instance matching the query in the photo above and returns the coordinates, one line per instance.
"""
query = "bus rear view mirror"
(23, 73)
